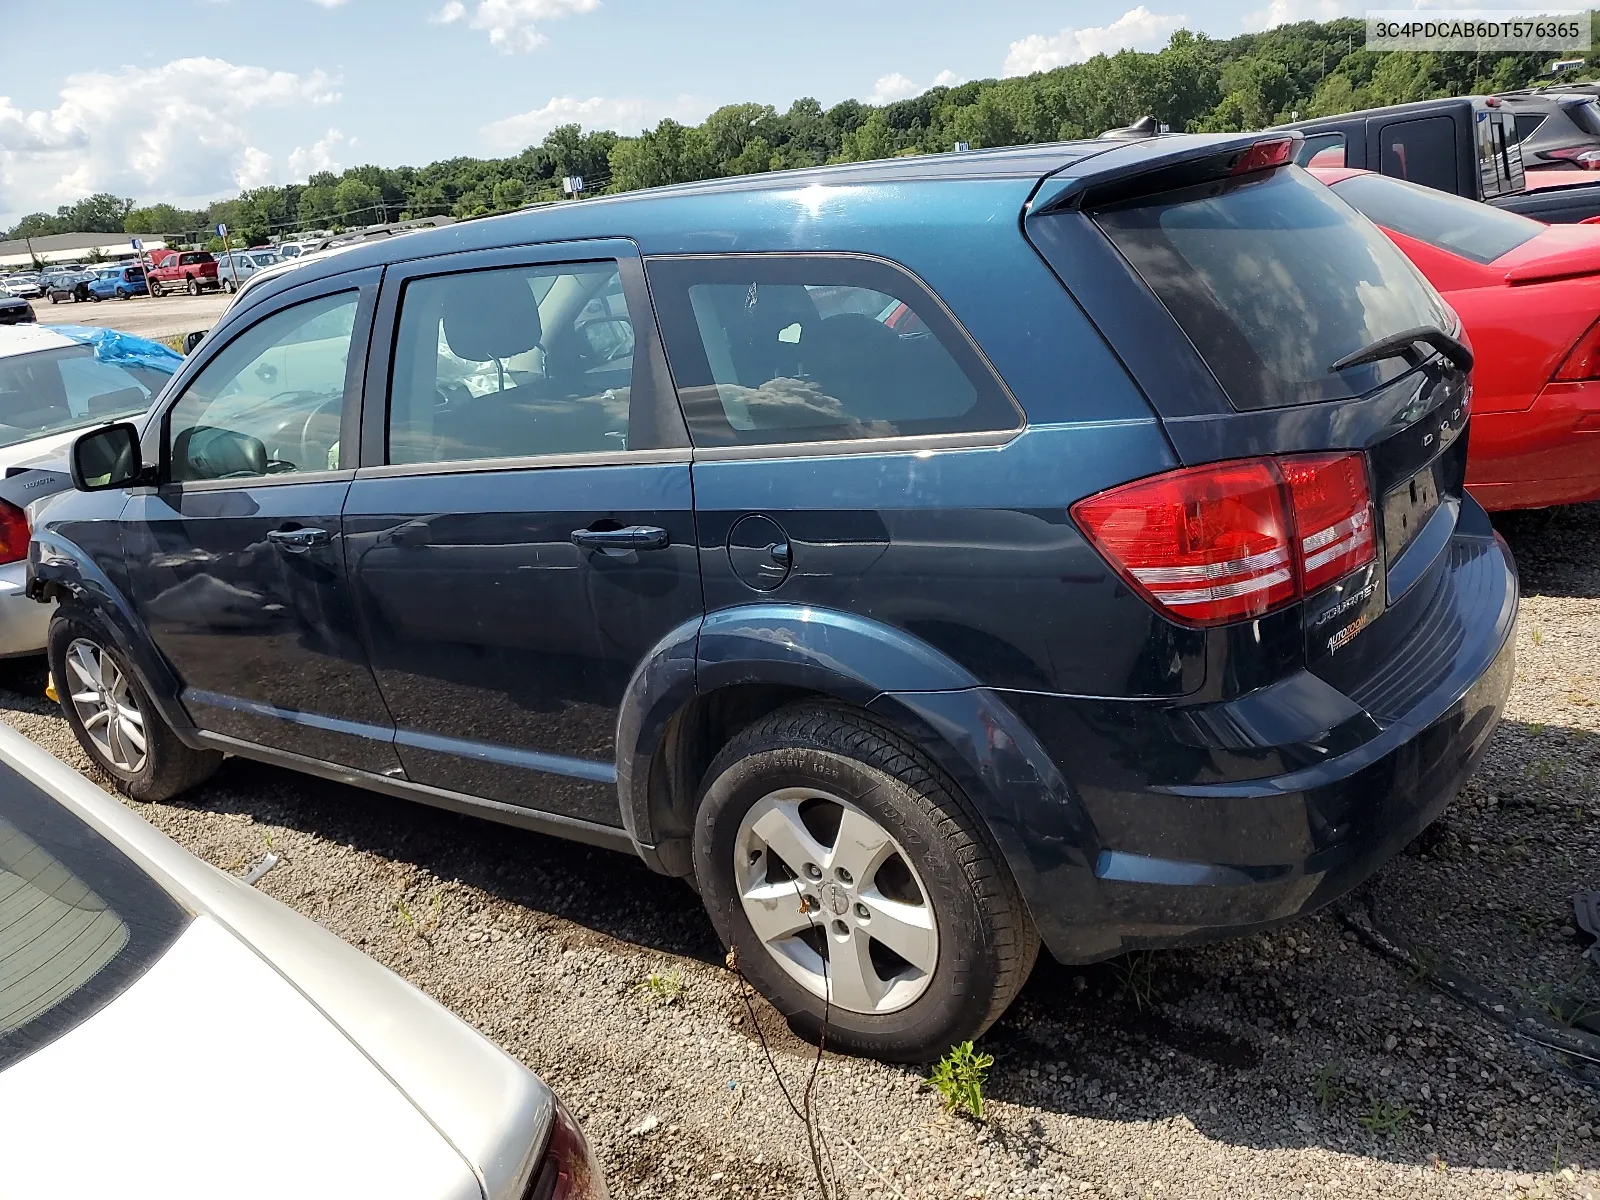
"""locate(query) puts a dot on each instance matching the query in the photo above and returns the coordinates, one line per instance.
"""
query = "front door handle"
(633, 537)
(297, 540)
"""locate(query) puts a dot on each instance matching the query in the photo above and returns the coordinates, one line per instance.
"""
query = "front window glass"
(271, 402)
(512, 363)
(1274, 278)
(79, 921)
(53, 391)
(1473, 230)
(811, 348)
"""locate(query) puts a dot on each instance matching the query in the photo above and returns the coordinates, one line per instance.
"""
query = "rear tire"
(110, 713)
(194, 286)
(817, 780)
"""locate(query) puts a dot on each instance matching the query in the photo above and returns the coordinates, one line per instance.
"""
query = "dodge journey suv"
(928, 559)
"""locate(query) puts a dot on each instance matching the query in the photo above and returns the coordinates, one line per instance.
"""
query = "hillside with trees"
(1194, 83)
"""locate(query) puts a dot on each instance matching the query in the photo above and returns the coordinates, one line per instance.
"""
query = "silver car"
(166, 1029)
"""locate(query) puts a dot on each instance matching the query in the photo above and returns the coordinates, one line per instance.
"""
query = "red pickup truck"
(193, 271)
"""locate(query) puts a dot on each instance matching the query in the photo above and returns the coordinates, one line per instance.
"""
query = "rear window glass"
(79, 921)
(1473, 230)
(1274, 278)
(1585, 114)
(805, 348)
(52, 391)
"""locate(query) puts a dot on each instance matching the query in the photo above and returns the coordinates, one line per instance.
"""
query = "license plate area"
(1406, 510)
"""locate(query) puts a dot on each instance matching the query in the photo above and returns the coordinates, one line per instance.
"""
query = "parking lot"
(1304, 1063)
(162, 317)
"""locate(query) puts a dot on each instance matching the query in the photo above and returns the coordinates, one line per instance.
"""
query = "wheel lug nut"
(813, 871)
(863, 912)
(844, 876)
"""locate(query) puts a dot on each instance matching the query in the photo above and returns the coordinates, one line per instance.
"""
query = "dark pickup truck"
(1467, 145)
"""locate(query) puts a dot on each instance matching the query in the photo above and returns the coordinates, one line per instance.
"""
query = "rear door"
(521, 528)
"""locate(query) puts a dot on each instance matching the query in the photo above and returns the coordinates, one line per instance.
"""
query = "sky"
(192, 100)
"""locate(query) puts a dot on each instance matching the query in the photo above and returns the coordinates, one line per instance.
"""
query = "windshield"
(53, 391)
(1273, 278)
(79, 921)
(1475, 231)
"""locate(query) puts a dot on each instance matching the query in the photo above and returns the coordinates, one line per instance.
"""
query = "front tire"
(858, 886)
(156, 290)
(114, 720)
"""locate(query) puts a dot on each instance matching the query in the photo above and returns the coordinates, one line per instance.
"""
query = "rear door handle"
(634, 537)
(297, 540)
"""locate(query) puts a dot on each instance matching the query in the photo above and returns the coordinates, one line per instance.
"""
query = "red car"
(192, 271)
(1529, 296)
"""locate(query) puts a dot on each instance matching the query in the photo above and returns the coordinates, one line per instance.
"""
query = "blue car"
(929, 559)
(119, 283)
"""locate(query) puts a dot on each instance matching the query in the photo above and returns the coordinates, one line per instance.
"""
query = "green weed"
(1383, 1117)
(1136, 975)
(959, 1078)
(1328, 1086)
(666, 988)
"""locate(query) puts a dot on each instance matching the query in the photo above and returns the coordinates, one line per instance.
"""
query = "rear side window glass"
(1322, 150)
(514, 363)
(1422, 151)
(1467, 228)
(1274, 278)
(788, 349)
(79, 921)
(1527, 123)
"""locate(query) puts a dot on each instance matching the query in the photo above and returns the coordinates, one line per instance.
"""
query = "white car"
(236, 267)
(56, 380)
(25, 287)
(168, 1031)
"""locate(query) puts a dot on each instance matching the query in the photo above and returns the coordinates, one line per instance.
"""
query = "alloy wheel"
(103, 698)
(835, 900)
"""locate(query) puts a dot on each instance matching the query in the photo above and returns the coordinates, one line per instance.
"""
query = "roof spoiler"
(1131, 170)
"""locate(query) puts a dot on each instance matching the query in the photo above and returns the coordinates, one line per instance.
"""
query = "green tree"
(669, 153)
(872, 139)
(358, 202)
(510, 193)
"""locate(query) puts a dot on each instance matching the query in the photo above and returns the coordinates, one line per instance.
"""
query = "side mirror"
(107, 458)
(191, 340)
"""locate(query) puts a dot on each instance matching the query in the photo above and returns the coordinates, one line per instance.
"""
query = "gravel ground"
(147, 316)
(1296, 1064)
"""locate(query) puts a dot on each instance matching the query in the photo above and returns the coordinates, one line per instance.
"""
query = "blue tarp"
(123, 349)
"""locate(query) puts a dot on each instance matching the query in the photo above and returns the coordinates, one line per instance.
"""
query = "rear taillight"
(569, 1171)
(1579, 156)
(1583, 360)
(14, 533)
(1233, 540)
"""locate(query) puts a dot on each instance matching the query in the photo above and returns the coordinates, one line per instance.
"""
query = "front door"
(236, 561)
(521, 531)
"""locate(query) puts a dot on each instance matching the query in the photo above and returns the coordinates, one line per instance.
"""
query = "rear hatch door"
(1265, 279)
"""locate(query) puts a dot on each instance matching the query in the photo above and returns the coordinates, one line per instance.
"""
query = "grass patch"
(667, 988)
(1136, 978)
(959, 1078)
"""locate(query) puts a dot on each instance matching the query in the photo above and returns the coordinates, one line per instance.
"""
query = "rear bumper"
(1548, 454)
(24, 623)
(1187, 843)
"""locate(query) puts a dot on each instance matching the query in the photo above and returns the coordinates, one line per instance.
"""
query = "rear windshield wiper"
(1398, 343)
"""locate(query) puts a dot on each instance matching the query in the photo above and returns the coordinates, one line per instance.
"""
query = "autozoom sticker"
(1346, 635)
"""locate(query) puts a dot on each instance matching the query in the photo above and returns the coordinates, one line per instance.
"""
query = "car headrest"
(490, 315)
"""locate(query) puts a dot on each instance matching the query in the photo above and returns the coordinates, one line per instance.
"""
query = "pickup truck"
(193, 271)
(1467, 145)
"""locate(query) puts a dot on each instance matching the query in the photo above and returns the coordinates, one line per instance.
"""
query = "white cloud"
(625, 114)
(896, 86)
(1136, 29)
(322, 156)
(254, 169)
(180, 129)
(511, 24)
(330, 3)
(1287, 12)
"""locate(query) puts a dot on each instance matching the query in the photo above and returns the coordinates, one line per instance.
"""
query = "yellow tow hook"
(50, 689)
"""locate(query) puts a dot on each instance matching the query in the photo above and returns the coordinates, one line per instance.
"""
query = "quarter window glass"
(1468, 228)
(1421, 151)
(271, 401)
(512, 363)
(1527, 123)
(817, 349)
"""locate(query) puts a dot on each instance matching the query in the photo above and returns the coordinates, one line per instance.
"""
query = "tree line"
(1194, 83)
